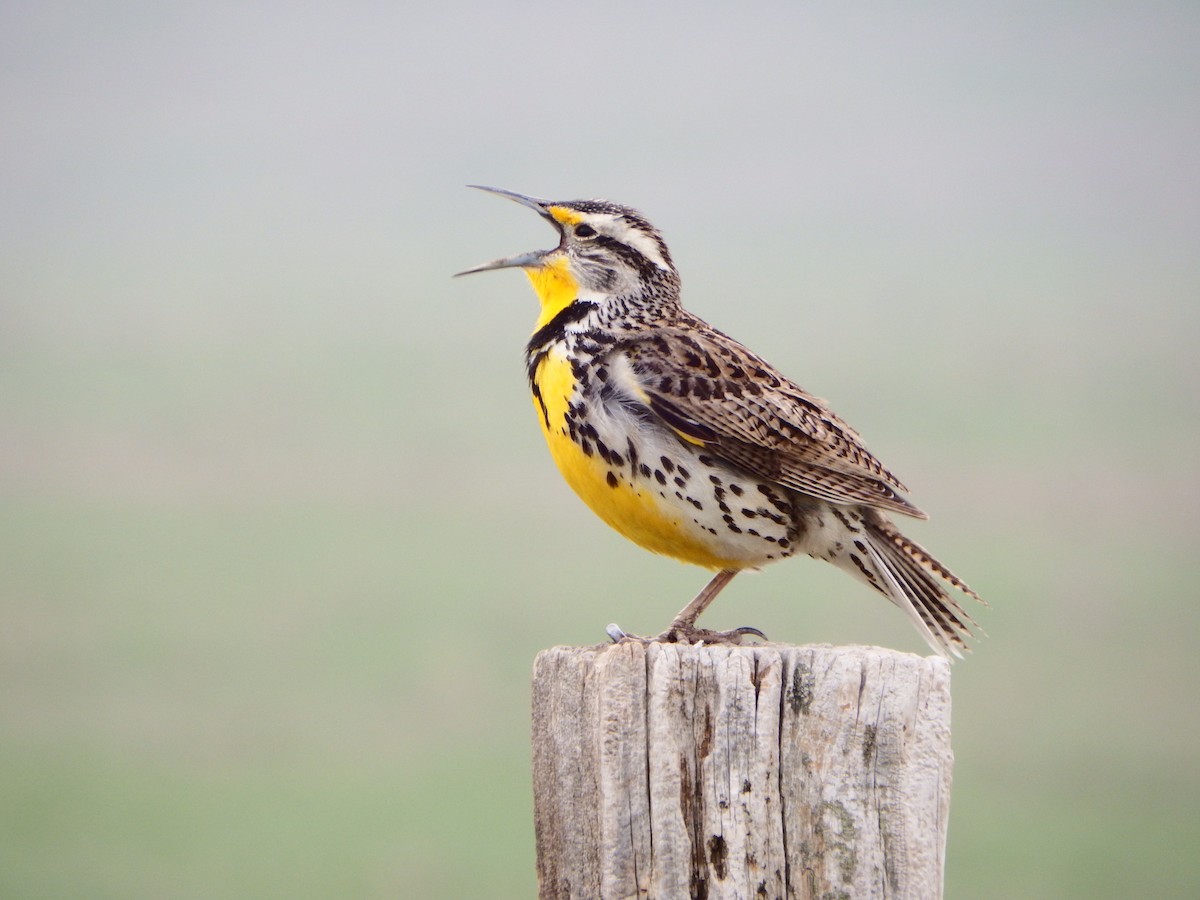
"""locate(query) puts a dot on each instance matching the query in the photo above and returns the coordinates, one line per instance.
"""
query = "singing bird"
(691, 445)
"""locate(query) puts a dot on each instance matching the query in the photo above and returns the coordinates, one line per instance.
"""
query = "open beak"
(521, 260)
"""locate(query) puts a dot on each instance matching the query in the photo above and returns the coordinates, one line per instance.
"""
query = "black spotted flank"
(580, 372)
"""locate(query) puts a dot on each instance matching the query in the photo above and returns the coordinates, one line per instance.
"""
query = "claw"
(619, 635)
(750, 629)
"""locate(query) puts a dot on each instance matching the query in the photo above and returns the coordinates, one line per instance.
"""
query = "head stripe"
(564, 215)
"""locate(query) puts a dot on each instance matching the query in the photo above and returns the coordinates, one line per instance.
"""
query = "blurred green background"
(278, 535)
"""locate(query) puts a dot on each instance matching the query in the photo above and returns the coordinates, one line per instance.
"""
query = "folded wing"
(713, 392)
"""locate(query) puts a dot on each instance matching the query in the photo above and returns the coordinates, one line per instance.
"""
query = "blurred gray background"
(279, 538)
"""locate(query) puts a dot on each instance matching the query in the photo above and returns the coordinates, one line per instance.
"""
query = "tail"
(908, 575)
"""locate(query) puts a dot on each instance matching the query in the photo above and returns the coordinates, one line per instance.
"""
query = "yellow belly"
(633, 507)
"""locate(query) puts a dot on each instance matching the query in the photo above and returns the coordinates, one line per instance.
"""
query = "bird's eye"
(585, 231)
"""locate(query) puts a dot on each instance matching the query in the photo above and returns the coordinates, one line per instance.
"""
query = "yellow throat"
(555, 286)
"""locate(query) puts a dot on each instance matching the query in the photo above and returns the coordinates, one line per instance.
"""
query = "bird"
(694, 447)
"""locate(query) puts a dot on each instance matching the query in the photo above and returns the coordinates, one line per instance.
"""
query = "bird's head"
(605, 251)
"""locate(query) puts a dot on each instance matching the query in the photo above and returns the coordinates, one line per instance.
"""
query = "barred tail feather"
(913, 579)
(864, 542)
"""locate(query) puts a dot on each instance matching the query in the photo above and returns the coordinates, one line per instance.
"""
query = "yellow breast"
(631, 505)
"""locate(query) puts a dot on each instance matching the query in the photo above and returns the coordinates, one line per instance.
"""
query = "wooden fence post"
(768, 771)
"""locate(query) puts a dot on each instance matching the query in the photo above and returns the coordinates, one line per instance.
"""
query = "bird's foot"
(616, 634)
(683, 633)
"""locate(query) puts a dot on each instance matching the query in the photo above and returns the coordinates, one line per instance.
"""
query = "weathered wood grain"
(768, 771)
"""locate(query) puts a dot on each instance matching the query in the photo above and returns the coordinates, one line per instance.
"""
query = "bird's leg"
(686, 620)
(684, 630)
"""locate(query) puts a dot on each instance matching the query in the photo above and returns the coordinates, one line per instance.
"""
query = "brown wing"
(712, 391)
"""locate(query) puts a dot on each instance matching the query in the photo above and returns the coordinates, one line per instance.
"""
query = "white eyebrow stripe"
(643, 243)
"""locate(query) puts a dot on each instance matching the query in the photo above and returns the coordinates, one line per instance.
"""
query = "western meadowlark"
(692, 446)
